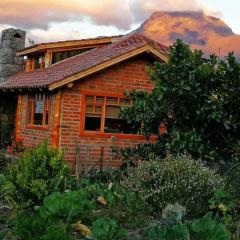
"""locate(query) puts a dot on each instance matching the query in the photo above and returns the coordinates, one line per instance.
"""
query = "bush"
(35, 175)
(205, 229)
(176, 179)
(67, 206)
(107, 229)
(34, 227)
(127, 208)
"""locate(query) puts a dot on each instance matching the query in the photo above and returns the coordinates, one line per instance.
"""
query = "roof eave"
(146, 48)
(71, 43)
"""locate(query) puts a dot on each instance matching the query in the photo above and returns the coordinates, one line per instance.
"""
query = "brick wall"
(130, 75)
(30, 136)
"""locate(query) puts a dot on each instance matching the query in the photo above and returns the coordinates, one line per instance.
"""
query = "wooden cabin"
(71, 93)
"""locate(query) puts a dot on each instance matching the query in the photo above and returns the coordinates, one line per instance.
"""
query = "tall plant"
(37, 173)
(196, 100)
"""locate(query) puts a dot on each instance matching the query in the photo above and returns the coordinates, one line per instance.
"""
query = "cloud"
(142, 9)
(30, 14)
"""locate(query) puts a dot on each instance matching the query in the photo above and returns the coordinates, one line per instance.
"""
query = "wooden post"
(18, 118)
(56, 120)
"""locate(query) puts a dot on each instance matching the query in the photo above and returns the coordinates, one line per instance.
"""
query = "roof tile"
(61, 70)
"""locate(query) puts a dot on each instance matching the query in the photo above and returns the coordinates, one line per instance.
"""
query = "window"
(38, 110)
(102, 115)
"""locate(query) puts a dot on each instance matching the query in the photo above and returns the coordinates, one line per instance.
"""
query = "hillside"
(207, 33)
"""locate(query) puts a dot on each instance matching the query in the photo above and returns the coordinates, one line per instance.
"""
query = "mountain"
(210, 34)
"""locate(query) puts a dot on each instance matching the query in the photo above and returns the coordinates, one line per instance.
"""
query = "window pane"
(125, 101)
(112, 111)
(38, 112)
(112, 101)
(113, 125)
(98, 109)
(100, 100)
(89, 109)
(89, 99)
(92, 123)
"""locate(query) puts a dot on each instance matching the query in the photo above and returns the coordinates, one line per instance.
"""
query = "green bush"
(127, 208)
(107, 229)
(205, 229)
(176, 179)
(67, 206)
(35, 175)
(34, 227)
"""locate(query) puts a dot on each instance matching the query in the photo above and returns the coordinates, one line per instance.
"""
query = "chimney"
(12, 41)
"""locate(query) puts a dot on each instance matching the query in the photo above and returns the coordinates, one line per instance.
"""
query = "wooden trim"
(70, 43)
(36, 127)
(18, 118)
(56, 121)
(31, 124)
(109, 63)
(101, 134)
(117, 136)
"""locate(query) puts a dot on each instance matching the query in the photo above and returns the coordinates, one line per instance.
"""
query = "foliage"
(196, 99)
(226, 208)
(34, 227)
(176, 179)
(208, 229)
(67, 206)
(53, 220)
(127, 208)
(205, 229)
(173, 214)
(35, 175)
(173, 232)
(123, 205)
(107, 229)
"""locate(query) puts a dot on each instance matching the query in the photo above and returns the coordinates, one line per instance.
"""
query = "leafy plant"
(67, 206)
(127, 208)
(173, 214)
(205, 229)
(197, 101)
(35, 175)
(176, 179)
(107, 229)
(34, 227)
(173, 232)
(208, 229)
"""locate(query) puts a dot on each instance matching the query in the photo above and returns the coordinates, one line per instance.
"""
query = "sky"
(54, 20)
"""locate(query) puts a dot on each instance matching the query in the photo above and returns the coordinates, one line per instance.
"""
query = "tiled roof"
(87, 60)
(44, 46)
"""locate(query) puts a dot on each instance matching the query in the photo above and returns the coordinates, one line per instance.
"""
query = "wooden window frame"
(101, 133)
(46, 108)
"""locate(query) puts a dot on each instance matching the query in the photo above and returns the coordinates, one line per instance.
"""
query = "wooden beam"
(99, 67)
(70, 43)
(56, 120)
(18, 118)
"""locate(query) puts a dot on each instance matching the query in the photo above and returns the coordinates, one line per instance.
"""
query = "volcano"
(200, 31)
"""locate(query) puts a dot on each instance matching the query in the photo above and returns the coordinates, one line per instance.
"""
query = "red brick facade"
(82, 149)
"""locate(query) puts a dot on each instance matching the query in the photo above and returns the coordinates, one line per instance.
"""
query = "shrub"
(176, 179)
(127, 208)
(35, 175)
(34, 227)
(205, 229)
(67, 206)
(107, 229)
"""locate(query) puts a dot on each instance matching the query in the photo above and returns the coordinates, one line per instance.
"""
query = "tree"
(197, 99)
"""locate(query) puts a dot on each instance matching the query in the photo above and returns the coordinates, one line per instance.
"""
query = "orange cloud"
(144, 8)
(31, 14)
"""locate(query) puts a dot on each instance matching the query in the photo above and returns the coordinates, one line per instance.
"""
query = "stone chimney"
(12, 40)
